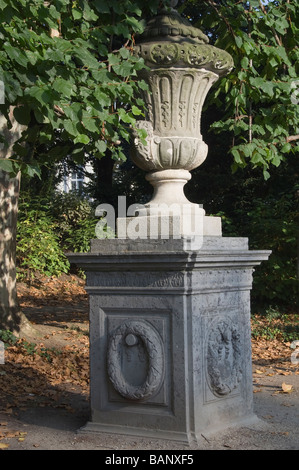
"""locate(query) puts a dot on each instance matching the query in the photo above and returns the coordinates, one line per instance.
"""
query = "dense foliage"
(48, 228)
(69, 71)
(258, 100)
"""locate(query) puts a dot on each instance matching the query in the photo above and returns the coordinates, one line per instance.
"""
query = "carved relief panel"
(223, 366)
(137, 357)
(136, 360)
(224, 362)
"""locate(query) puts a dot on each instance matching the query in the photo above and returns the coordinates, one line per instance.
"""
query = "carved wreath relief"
(135, 360)
(224, 366)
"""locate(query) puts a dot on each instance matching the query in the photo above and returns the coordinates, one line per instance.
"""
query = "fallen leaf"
(3, 446)
(286, 388)
(257, 371)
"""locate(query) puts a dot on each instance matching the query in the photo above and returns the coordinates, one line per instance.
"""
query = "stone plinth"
(170, 347)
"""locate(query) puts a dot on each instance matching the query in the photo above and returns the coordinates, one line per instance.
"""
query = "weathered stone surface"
(182, 67)
(170, 335)
(170, 348)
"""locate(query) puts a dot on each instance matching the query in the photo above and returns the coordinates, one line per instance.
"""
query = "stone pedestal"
(170, 347)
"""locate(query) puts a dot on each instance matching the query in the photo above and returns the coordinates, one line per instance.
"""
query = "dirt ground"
(44, 384)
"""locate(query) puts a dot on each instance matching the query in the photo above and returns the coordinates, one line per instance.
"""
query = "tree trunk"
(11, 317)
(104, 172)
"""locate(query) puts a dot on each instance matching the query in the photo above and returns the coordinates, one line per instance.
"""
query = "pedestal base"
(183, 438)
(170, 348)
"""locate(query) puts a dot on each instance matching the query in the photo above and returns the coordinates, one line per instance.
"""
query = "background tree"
(258, 103)
(251, 126)
(71, 80)
(64, 65)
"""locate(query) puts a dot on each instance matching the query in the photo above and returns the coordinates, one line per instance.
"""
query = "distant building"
(74, 179)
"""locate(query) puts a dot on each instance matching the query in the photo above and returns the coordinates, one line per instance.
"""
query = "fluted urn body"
(181, 68)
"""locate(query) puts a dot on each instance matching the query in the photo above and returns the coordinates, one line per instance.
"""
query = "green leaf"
(16, 54)
(81, 139)
(22, 114)
(125, 53)
(65, 87)
(125, 116)
(42, 94)
(33, 57)
(286, 147)
(102, 6)
(101, 146)
(143, 85)
(32, 170)
(70, 127)
(244, 62)
(136, 111)
(73, 111)
(239, 41)
(77, 14)
(6, 165)
(102, 97)
(236, 155)
(87, 59)
(90, 123)
(113, 59)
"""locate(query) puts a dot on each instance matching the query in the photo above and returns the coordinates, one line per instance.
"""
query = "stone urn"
(181, 68)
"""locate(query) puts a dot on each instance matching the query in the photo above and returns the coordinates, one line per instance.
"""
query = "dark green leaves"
(255, 99)
(6, 165)
(64, 87)
(68, 69)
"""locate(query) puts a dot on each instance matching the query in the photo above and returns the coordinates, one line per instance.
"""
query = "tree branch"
(277, 39)
(291, 138)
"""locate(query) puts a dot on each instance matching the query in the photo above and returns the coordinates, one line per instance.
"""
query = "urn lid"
(169, 40)
(169, 25)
